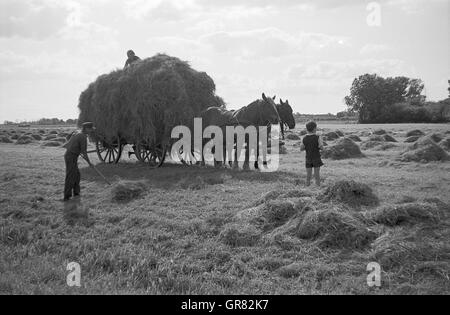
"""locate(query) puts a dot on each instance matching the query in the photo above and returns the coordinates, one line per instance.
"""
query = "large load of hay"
(145, 101)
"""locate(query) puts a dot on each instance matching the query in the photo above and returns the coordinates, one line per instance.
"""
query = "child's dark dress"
(313, 158)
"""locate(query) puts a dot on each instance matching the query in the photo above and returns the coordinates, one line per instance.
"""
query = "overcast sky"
(307, 51)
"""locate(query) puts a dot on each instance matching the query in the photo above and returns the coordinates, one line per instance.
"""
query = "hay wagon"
(139, 106)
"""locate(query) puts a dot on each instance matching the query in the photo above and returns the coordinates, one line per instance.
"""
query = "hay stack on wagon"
(144, 102)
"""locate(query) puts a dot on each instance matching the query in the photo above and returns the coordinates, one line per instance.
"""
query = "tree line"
(44, 121)
(375, 99)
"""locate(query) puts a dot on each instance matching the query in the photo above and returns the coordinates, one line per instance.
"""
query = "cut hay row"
(144, 102)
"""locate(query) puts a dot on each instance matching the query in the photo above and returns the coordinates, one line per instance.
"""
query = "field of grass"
(195, 230)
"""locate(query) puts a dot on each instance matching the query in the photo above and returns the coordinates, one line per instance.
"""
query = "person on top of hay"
(76, 146)
(132, 58)
(312, 144)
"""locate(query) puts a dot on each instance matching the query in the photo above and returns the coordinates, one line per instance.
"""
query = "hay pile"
(345, 148)
(436, 137)
(376, 138)
(331, 136)
(238, 235)
(293, 137)
(408, 213)
(415, 133)
(126, 191)
(351, 193)
(424, 150)
(5, 139)
(389, 138)
(355, 138)
(368, 145)
(412, 139)
(445, 144)
(24, 140)
(379, 132)
(413, 249)
(145, 102)
(335, 229)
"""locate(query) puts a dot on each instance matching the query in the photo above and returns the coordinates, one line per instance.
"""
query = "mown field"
(192, 230)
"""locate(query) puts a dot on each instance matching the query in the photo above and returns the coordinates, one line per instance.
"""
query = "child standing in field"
(312, 144)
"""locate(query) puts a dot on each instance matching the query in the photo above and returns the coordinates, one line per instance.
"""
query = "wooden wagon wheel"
(109, 153)
(153, 156)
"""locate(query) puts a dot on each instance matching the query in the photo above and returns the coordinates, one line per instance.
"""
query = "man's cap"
(89, 125)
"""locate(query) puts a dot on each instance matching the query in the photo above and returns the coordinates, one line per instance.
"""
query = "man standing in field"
(132, 58)
(76, 146)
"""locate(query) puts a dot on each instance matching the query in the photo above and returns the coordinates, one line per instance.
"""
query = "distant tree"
(71, 121)
(372, 96)
(448, 88)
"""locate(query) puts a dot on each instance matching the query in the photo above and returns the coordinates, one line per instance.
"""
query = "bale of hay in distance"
(351, 193)
(415, 133)
(379, 132)
(355, 138)
(424, 150)
(331, 136)
(412, 139)
(36, 137)
(126, 191)
(24, 140)
(436, 137)
(344, 148)
(389, 138)
(292, 136)
(145, 102)
(376, 138)
(368, 145)
(5, 139)
(445, 144)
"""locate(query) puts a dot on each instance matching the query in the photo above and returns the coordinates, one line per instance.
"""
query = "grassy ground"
(182, 235)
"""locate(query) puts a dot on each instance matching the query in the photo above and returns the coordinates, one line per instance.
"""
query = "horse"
(286, 116)
(260, 113)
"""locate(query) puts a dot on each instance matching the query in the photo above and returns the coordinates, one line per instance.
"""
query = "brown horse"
(260, 113)
(286, 116)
